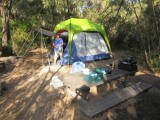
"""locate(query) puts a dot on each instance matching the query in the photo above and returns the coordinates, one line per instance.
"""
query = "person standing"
(58, 47)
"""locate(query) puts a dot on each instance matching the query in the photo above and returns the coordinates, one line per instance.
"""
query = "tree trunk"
(156, 28)
(68, 5)
(5, 27)
(5, 8)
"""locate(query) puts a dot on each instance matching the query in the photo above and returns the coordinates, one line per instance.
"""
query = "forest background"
(132, 25)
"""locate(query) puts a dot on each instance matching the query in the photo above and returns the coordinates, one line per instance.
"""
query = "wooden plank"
(121, 73)
(110, 102)
(116, 99)
(117, 71)
(123, 94)
(97, 106)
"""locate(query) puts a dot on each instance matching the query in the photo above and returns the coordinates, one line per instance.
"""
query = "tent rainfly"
(46, 32)
(86, 41)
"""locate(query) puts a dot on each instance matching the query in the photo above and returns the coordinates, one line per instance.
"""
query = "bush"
(7, 51)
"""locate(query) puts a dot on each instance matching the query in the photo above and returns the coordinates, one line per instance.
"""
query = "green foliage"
(19, 24)
(19, 33)
(154, 61)
(7, 50)
(130, 24)
(125, 37)
(19, 37)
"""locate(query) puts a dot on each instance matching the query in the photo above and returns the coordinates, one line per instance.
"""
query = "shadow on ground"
(30, 97)
(145, 106)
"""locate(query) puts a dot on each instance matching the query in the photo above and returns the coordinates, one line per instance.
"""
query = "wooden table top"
(74, 81)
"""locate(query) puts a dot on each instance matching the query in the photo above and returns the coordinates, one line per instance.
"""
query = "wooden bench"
(100, 105)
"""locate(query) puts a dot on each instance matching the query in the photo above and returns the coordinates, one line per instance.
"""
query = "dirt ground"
(30, 97)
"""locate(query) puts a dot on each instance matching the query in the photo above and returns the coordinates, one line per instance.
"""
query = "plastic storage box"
(92, 77)
(102, 72)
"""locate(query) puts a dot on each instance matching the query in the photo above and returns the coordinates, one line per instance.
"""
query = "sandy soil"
(30, 96)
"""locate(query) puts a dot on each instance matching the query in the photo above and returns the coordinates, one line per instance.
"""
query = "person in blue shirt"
(58, 47)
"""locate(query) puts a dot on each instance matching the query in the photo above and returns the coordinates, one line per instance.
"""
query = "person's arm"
(62, 42)
(54, 44)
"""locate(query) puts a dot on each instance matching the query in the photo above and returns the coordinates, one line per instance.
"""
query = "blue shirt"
(57, 43)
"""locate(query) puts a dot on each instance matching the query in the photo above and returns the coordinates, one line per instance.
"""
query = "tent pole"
(41, 47)
(30, 44)
(69, 42)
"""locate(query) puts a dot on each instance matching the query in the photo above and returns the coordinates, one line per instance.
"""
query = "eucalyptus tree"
(5, 10)
(152, 28)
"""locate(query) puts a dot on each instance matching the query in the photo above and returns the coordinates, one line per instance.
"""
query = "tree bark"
(157, 30)
(68, 6)
(5, 9)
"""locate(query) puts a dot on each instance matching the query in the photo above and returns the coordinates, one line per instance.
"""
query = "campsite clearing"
(29, 95)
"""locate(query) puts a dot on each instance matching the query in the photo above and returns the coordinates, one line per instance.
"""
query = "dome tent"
(86, 41)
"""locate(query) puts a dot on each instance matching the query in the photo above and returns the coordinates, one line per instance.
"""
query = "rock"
(2, 87)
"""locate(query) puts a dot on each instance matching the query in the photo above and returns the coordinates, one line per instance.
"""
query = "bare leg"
(55, 57)
(60, 54)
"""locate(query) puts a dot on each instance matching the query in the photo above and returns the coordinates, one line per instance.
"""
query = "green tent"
(75, 25)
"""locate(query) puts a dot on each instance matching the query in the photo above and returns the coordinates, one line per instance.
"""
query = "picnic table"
(81, 87)
(76, 82)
